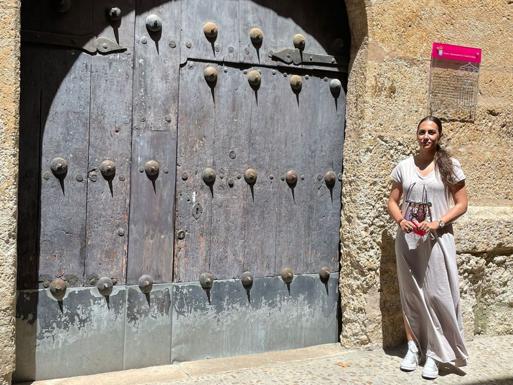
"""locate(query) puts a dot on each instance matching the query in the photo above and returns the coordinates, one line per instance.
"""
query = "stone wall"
(9, 96)
(387, 96)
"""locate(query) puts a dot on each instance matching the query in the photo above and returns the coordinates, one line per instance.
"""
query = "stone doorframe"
(353, 329)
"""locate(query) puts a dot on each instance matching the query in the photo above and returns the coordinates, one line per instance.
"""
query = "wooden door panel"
(196, 136)
(229, 153)
(64, 135)
(155, 100)
(110, 148)
(231, 128)
(259, 211)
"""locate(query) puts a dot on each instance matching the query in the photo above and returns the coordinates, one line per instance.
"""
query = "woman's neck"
(425, 156)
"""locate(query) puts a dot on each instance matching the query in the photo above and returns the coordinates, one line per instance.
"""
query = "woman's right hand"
(406, 226)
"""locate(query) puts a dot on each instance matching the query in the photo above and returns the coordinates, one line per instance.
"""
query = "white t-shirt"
(427, 189)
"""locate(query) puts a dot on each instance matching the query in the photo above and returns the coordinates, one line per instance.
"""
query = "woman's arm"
(460, 198)
(395, 211)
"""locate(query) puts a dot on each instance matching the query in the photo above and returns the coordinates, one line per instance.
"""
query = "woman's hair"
(443, 160)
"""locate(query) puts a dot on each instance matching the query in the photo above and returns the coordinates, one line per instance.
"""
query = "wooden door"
(160, 140)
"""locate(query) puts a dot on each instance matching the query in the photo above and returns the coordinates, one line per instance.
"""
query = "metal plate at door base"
(88, 333)
(270, 318)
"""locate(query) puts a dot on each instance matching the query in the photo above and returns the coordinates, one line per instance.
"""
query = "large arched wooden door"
(180, 180)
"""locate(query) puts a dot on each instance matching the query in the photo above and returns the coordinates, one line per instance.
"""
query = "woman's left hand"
(428, 226)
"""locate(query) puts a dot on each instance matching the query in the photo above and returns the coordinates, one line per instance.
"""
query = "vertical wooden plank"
(155, 100)
(65, 119)
(65, 103)
(195, 153)
(225, 14)
(231, 132)
(290, 202)
(259, 211)
(29, 167)
(327, 156)
(308, 103)
(110, 140)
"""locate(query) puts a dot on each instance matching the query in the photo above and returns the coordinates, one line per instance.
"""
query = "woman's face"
(428, 135)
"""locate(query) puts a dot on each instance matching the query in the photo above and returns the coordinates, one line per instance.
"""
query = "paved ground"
(491, 364)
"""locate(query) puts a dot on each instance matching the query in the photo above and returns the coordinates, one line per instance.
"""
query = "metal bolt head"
(121, 232)
(79, 178)
(188, 44)
(324, 274)
(206, 281)
(153, 23)
(254, 79)
(172, 44)
(108, 169)
(330, 178)
(58, 288)
(232, 154)
(209, 176)
(257, 37)
(247, 279)
(296, 83)
(180, 234)
(299, 41)
(185, 176)
(335, 87)
(291, 178)
(210, 75)
(152, 168)
(104, 286)
(59, 167)
(210, 30)
(146, 283)
(250, 176)
(287, 275)
(114, 14)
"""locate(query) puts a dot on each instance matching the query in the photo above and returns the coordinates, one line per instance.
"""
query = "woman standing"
(432, 187)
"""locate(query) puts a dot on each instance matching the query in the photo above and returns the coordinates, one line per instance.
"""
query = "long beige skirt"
(430, 298)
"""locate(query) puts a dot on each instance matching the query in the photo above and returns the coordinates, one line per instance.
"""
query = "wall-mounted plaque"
(453, 81)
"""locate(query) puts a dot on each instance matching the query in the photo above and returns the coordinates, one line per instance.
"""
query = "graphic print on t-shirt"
(418, 206)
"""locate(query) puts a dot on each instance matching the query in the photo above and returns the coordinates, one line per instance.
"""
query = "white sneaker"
(430, 371)
(411, 359)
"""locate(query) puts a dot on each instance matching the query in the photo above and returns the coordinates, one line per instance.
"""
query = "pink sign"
(443, 51)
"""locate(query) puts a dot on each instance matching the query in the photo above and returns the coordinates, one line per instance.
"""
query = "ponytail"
(444, 166)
